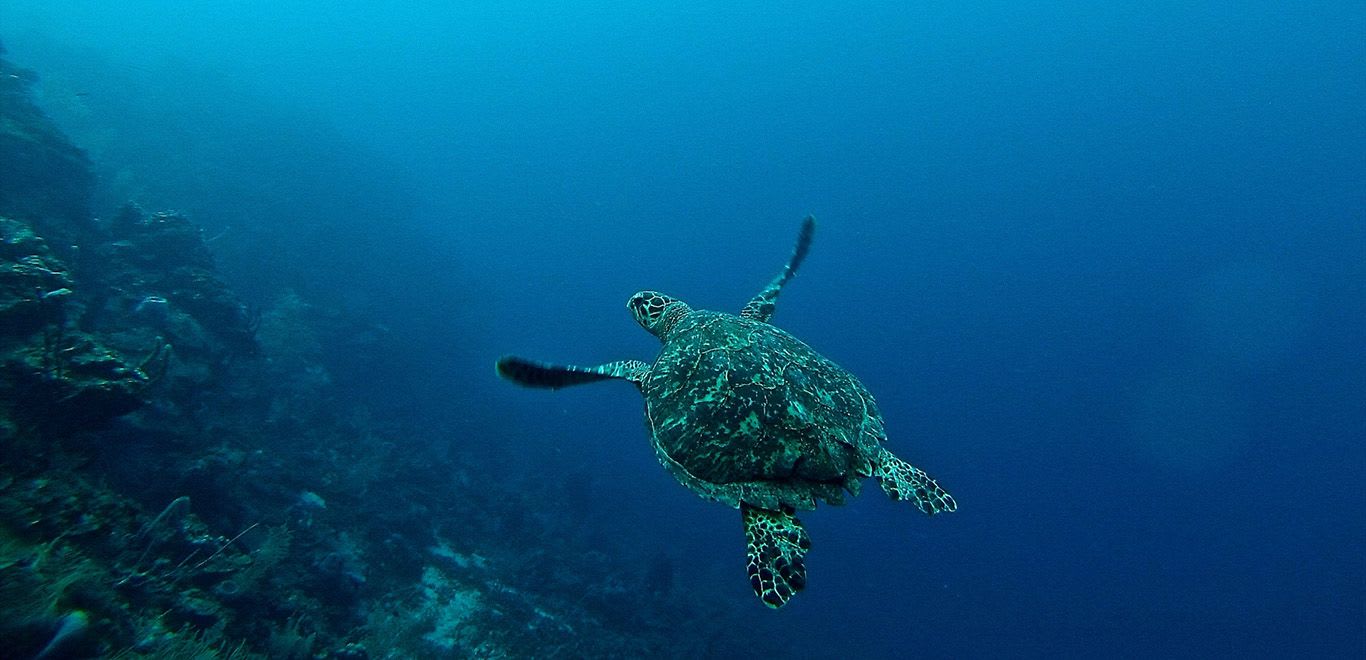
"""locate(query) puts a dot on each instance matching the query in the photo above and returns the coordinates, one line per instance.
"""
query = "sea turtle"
(744, 413)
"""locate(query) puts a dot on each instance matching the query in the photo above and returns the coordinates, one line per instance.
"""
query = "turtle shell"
(741, 411)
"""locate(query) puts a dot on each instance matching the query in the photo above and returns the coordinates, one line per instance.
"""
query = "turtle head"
(656, 312)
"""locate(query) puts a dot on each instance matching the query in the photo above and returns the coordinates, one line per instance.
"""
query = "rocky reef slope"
(179, 478)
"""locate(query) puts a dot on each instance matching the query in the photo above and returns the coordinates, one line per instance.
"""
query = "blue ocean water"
(1103, 266)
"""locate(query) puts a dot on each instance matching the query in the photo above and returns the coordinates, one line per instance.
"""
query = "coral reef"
(179, 476)
(56, 377)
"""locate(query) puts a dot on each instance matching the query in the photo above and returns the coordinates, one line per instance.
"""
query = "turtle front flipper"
(903, 481)
(554, 376)
(777, 544)
(761, 307)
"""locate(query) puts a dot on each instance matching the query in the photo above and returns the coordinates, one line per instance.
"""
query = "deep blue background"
(1103, 267)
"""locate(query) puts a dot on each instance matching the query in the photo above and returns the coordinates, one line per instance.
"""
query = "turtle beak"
(638, 306)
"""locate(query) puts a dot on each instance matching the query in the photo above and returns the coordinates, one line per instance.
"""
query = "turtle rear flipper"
(777, 544)
(903, 481)
(761, 307)
(554, 376)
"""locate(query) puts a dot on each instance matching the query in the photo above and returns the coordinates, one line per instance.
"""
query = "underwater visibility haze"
(1101, 266)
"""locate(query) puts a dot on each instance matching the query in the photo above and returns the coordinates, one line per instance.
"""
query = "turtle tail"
(903, 481)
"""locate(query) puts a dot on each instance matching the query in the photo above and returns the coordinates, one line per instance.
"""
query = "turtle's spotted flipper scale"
(776, 547)
(762, 306)
(554, 376)
(903, 481)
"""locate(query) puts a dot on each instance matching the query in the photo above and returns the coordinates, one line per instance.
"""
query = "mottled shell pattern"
(741, 411)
